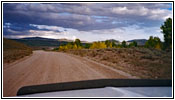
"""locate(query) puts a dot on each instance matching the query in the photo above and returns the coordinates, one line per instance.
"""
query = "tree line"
(153, 42)
(95, 45)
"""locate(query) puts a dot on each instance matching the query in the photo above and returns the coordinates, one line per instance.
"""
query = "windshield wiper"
(88, 84)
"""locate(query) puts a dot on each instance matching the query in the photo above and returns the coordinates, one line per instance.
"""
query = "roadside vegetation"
(141, 62)
(13, 50)
(152, 60)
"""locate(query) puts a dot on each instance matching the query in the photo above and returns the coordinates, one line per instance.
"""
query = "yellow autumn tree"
(158, 46)
(98, 45)
(75, 46)
(61, 48)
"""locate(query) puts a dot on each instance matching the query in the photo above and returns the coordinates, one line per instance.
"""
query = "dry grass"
(141, 62)
(13, 50)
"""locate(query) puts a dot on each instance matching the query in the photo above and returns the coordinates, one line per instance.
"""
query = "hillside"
(44, 43)
(139, 41)
(38, 41)
(13, 50)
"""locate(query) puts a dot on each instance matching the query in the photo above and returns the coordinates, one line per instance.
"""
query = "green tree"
(154, 42)
(87, 45)
(107, 42)
(124, 44)
(113, 44)
(167, 32)
(71, 45)
(78, 42)
(110, 44)
(133, 44)
(118, 46)
(149, 43)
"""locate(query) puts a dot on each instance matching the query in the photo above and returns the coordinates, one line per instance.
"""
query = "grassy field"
(142, 62)
(13, 50)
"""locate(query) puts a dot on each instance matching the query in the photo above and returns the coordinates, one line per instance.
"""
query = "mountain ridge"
(139, 41)
(50, 42)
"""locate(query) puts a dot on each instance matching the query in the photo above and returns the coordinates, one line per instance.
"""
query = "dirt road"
(52, 67)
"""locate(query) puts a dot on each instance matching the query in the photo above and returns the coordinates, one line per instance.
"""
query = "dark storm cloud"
(79, 16)
(87, 21)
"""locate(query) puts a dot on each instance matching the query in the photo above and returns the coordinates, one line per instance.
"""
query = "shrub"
(154, 42)
(98, 45)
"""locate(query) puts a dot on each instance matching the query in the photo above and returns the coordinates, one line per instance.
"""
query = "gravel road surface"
(52, 67)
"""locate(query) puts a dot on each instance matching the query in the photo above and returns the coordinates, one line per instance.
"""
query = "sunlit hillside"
(13, 50)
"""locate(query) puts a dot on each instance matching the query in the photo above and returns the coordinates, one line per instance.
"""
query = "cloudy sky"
(86, 21)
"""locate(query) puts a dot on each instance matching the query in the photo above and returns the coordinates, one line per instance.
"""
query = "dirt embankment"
(13, 50)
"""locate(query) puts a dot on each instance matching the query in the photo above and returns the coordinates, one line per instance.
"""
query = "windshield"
(46, 43)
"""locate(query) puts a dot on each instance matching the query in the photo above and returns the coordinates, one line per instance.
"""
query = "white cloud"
(127, 33)
(53, 28)
(13, 31)
(160, 14)
(7, 25)
(84, 16)
(154, 14)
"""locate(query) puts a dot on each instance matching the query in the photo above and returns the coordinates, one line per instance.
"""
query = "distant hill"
(11, 44)
(112, 40)
(139, 41)
(37, 38)
(48, 42)
(38, 41)
(66, 40)
(13, 50)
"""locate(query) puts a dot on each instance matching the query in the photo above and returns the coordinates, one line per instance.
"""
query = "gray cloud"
(87, 21)
(79, 16)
